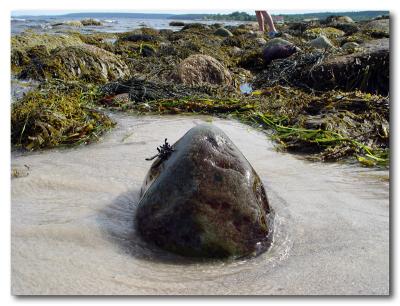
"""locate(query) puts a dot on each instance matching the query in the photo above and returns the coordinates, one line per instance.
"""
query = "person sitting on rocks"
(264, 16)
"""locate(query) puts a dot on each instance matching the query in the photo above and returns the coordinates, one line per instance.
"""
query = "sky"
(62, 12)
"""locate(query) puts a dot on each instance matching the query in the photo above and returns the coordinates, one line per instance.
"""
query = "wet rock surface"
(278, 51)
(205, 199)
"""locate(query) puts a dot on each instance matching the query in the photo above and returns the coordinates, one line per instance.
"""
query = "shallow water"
(73, 231)
(46, 24)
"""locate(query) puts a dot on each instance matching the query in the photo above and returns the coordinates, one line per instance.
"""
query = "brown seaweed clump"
(199, 69)
(50, 118)
(84, 62)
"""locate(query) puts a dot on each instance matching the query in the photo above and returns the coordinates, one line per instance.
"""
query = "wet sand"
(73, 231)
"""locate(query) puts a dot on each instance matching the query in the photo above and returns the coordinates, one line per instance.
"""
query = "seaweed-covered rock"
(195, 26)
(204, 200)
(338, 19)
(347, 28)
(321, 42)
(199, 68)
(141, 90)
(329, 32)
(367, 69)
(73, 23)
(31, 39)
(223, 32)
(377, 28)
(91, 22)
(85, 62)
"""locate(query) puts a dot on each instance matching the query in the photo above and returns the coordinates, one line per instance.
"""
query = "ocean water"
(111, 25)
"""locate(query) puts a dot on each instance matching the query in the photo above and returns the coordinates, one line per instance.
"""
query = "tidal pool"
(73, 231)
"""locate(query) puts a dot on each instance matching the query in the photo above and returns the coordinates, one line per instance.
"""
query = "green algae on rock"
(205, 200)
(327, 31)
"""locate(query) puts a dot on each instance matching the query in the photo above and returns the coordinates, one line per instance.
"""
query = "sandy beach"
(73, 231)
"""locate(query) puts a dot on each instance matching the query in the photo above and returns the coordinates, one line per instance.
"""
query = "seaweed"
(46, 118)
(327, 126)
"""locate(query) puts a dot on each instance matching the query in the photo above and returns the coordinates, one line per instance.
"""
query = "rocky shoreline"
(322, 88)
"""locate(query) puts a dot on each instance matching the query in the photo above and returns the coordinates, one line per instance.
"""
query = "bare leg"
(269, 21)
(260, 20)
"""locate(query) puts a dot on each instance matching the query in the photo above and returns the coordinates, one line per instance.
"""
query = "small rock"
(177, 24)
(260, 41)
(321, 42)
(350, 46)
(278, 42)
(223, 32)
(19, 171)
(236, 51)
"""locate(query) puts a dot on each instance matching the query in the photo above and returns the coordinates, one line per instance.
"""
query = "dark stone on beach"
(139, 37)
(223, 32)
(205, 199)
(278, 48)
(196, 26)
(176, 23)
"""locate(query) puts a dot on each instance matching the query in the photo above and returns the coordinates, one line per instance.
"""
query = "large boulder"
(378, 28)
(204, 199)
(199, 69)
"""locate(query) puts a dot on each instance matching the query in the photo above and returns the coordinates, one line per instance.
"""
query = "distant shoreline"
(237, 16)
